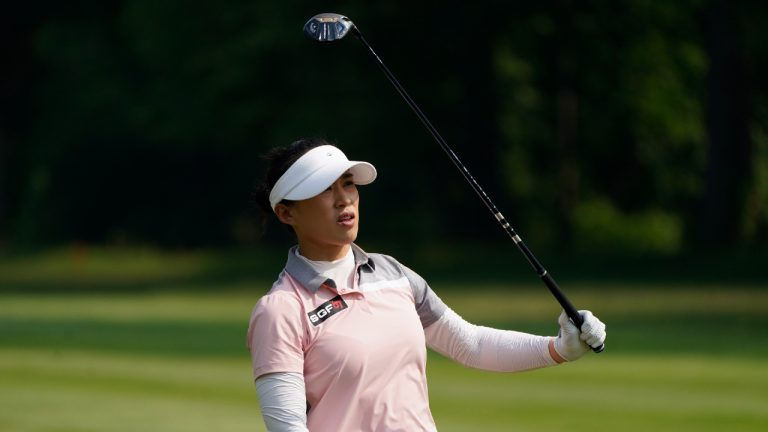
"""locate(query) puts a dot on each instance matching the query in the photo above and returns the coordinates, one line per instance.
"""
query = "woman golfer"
(339, 342)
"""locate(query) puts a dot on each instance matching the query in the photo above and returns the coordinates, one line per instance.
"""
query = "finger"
(594, 340)
(595, 336)
(593, 330)
(591, 324)
(566, 324)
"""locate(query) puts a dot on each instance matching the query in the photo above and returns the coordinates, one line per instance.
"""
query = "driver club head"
(327, 27)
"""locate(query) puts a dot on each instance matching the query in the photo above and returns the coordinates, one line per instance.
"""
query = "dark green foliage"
(634, 126)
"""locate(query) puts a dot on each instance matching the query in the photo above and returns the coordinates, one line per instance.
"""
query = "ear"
(284, 213)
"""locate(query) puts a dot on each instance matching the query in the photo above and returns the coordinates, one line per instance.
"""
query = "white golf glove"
(572, 343)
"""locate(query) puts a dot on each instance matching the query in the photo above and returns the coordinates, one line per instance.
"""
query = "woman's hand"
(571, 343)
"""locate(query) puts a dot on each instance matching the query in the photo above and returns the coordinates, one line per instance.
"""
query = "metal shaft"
(570, 310)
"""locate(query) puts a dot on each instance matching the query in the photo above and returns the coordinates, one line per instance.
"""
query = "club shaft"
(561, 298)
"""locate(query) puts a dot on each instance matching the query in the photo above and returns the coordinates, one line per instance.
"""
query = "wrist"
(554, 354)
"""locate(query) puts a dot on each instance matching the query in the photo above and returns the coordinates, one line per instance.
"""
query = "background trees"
(632, 126)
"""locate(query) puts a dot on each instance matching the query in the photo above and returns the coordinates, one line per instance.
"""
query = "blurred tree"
(17, 30)
(136, 121)
(565, 56)
(729, 108)
(751, 16)
(612, 92)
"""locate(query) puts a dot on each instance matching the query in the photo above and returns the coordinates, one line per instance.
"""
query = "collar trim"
(310, 279)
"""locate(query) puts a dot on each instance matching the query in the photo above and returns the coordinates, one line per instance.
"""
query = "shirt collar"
(309, 278)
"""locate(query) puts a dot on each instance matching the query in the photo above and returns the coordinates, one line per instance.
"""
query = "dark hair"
(278, 160)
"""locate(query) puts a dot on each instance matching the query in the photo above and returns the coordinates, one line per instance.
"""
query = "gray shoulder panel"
(428, 305)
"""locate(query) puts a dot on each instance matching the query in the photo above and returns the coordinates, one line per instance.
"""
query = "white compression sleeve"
(283, 401)
(487, 348)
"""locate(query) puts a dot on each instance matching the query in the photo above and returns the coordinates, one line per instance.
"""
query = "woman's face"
(325, 224)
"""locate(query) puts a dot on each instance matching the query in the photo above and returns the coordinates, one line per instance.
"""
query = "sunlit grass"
(81, 267)
(168, 358)
(609, 393)
(50, 390)
(155, 306)
(94, 391)
(87, 264)
(227, 301)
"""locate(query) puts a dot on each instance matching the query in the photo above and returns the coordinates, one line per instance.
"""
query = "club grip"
(568, 307)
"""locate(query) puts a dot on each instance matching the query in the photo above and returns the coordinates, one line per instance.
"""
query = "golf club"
(330, 27)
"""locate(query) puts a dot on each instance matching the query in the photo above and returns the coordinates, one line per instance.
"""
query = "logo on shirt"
(327, 310)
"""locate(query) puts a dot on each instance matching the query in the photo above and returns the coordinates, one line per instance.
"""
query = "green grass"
(627, 393)
(167, 358)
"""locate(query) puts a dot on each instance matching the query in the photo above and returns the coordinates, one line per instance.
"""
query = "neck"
(324, 252)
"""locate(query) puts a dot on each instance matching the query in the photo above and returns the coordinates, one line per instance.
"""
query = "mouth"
(346, 219)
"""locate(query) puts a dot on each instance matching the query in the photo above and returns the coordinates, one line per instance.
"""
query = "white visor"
(315, 171)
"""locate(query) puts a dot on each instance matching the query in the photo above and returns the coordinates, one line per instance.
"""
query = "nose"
(342, 196)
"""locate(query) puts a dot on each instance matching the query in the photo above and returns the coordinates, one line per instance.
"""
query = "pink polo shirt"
(361, 349)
